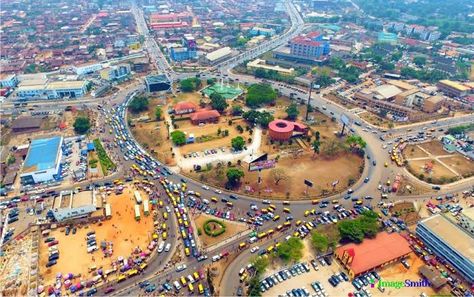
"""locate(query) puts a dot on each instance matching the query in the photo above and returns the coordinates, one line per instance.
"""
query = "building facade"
(157, 83)
(310, 45)
(52, 90)
(116, 72)
(43, 161)
(449, 242)
(87, 68)
(8, 80)
(452, 88)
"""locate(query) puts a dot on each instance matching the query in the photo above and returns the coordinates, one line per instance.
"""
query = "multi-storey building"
(310, 45)
(466, 220)
(186, 51)
(115, 72)
(449, 242)
(8, 80)
(452, 88)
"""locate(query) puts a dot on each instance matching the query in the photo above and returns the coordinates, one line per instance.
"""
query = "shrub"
(214, 233)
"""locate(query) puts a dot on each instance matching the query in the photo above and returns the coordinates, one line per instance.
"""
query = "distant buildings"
(205, 116)
(45, 89)
(449, 242)
(43, 161)
(255, 31)
(87, 68)
(310, 45)
(116, 72)
(422, 32)
(374, 253)
(159, 21)
(157, 83)
(386, 37)
(187, 50)
(8, 80)
(453, 89)
(218, 55)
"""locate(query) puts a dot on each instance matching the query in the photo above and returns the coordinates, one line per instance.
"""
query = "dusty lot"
(460, 164)
(434, 147)
(232, 228)
(375, 119)
(323, 172)
(437, 172)
(397, 272)
(413, 151)
(122, 230)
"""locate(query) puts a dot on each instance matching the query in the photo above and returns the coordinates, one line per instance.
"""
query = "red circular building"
(283, 130)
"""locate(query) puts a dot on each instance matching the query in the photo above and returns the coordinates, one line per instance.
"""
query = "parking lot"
(313, 279)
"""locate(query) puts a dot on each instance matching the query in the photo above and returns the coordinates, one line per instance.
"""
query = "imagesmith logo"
(398, 284)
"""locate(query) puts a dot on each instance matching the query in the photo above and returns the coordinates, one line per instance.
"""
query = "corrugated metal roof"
(42, 154)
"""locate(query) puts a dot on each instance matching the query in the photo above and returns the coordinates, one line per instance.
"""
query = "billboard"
(259, 165)
(345, 120)
(308, 183)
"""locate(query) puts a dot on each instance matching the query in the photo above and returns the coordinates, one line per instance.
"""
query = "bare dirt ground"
(397, 272)
(232, 228)
(122, 230)
(460, 164)
(438, 170)
(375, 119)
(406, 211)
(434, 147)
(413, 151)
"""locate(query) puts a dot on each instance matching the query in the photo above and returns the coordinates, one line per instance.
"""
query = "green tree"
(138, 104)
(82, 125)
(324, 81)
(260, 94)
(218, 102)
(234, 175)
(238, 143)
(419, 60)
(178, 137)
(349, 230)
(190, 84)
(291, 250)
(320, 242)
(315, 145)
(292, 111)
(356, 141)
(237, 110)
(211, 81)
(158, 113)
(11, 159)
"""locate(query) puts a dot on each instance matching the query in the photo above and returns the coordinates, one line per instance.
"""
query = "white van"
(161, 247)
(253, 239)
(216, 258)
(177, 285)
(92, 249)
(205, 201)
(167, 247)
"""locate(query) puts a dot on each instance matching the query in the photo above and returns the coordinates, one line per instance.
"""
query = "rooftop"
(222, 52)
(468, 212)
(185, 105)
(375, 252)
(26, 123)
(455, 85)
(205, 114)
(74, 84)
(387, 91)
(43, 154)
(451, 234)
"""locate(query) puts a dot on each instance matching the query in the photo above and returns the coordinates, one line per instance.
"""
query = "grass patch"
(214, 227)
(104, 159)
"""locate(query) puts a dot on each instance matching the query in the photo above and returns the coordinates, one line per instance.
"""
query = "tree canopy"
(355, 230)
(218, 102)
(320, 242)
(291, 250)
(138, 104)
(419, 60)
(234, 175)
(82, 125)
(238, 143)
(190, 84)
(237, 110)
(356, 141)
(260, 94)
(292, 111)
(158, 113)
(178, 137)
(255, 117)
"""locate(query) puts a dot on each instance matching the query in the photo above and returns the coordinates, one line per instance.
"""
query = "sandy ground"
(438, 170)
(122, 230)
(232, 228)
(434, 147)
(323, 172)
(413, 151)
(460, 164)
(397, 272)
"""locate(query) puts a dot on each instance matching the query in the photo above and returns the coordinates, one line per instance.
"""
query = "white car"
(205, 187)
(254, 249)
(218, 191)
(180, 267)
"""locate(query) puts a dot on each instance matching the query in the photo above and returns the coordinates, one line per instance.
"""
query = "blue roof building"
(42, 161)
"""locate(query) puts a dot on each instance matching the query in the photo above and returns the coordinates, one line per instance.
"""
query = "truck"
(146, 207)
(138, 197)
(137, 212)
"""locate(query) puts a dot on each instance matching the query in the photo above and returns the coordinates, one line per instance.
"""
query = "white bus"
(146, 207)
(137, 212)
(138, 197)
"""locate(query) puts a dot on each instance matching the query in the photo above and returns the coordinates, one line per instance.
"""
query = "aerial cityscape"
(237, 148)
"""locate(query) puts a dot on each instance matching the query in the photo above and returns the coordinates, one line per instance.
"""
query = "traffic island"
(212, 231)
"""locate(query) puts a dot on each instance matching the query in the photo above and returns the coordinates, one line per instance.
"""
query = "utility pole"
(309, 96)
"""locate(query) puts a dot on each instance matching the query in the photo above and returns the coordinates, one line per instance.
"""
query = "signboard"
(308, 183)
(259, 165)
(345, 120)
